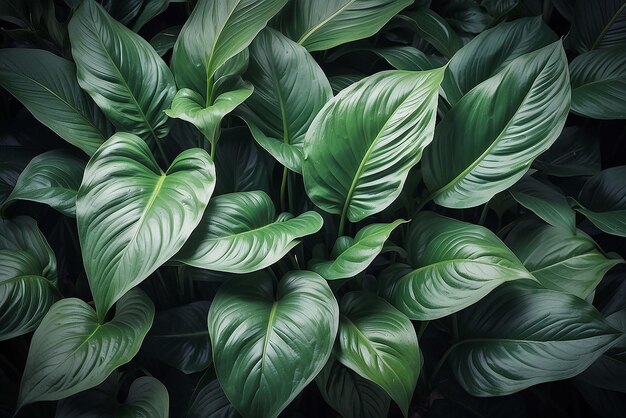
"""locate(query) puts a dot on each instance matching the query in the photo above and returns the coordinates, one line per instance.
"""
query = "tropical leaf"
(598, 24)
(163, 41)
(209, 400)
(575, 153)
(432, 27)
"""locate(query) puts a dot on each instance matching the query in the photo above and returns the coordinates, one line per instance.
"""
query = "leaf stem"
(342, 223)
(162, 152)
(483, 215)
(213, 149)
(283, 190)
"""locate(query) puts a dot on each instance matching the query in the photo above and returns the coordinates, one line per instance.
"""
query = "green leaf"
(132, 217)
(340, 82)
(163, 41)
(575, 153)
(598, 24)
(522, 335)
(454, 265)
(406, 58)
(149, 10)
(599, 83)
(491, 51)
(121, 72)
(603, 200)
(269, 343)
(240, 233)
(46, 84)
(559, 258)
(323, 25)
(379, 343)
(349, 394)
(72, 350)
(527, 103)
(358, 168)
(179, 337)
(354, 259)
(432, 27)
(545, 201)
(215, 32)
(289, 90)
(209, 400)
(52, 178)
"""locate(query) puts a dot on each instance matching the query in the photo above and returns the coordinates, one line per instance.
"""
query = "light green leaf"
(121, 72)
(522, 335)
(46, 84)
(575, 153)
(379, 343)
(598, 24)
(432, 27)
(527, 103)
(454, 265)
(132, 217)
(358, 168)
(269, 343)
(354, 259)
(72, 350)
(240, 233)
(599, 83)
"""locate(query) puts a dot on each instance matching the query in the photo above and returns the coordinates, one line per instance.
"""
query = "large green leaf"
(358, 168)
(603, 200)
(349, 394)
(453, 265)
(491, 51)
(522, 335)
(575, 153)
(269, 343)
(432, 27)
(179, 337)
(241, 233)
(599, 83)
(561, 259)
(22, 234)
(52, 178)
(379, 343)
(72, 350)
(46, 84)
(358, 254)
(527, 103)
(215, 32)
(121, 72)
(323, 25)
(289, 90)
(598, 24)
(132, 217)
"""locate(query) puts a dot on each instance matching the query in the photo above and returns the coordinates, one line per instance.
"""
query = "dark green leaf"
(432, 27)
(575, 153)
(163, 41)
(209, 400)
(598, 24)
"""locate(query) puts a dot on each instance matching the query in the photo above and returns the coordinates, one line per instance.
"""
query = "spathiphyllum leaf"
(522, 335)
(46, 84)
(379, 343)
(289, 90)
(561, 259)
(27, 277)
(241, 233)
(361, 146)
(121, 72)
(132, 216)
(603, 200)
(215, 32)
(270, 342)
(359, 254)
(575, 153)
(599, 83)
(453, 265)
(209, 400)
(473, 158)
(406, 58)
(491, 51)
(598, 24)
(52, 178)
(72, 350)
(432, 27)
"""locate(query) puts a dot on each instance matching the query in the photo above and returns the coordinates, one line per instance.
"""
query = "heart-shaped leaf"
(72, 350)
(358, 168)
(240, 233)
(453, 265)
(379, 343)
(470, 162)
(289, 334)
(598, 24)
(434, 29)
(132, 217)
(575, 153)
(121, 72)
(46, 84)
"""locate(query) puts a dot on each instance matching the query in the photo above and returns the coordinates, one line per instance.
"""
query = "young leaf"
(46, 84)
(432, 27)
(240, 233)
(358, 168)
(289, 334)
(455, 264)
(598, 24)
(379, 343)
(528, 102)
(52, 178)
(121, 72)
(132, 217)
(575, 153)
(72, 350)
(522, 335)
